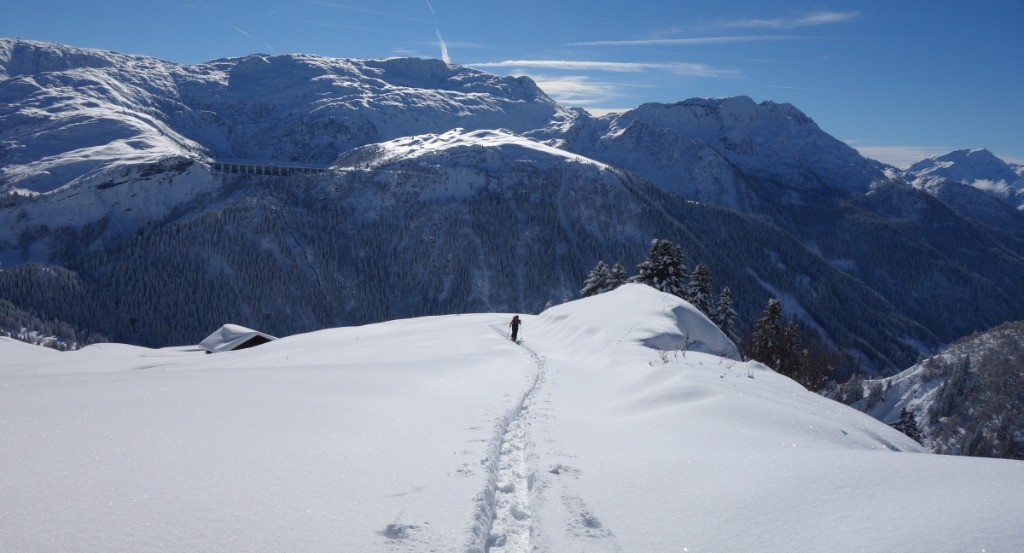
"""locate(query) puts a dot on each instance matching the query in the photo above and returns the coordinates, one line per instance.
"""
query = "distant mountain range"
(151, 202)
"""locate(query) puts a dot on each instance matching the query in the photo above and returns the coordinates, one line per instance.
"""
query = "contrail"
(444, 47)
(250, 35)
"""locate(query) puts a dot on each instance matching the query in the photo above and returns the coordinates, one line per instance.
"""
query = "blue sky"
(899, 80)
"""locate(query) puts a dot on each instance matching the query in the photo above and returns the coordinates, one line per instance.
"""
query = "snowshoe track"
(502, 521)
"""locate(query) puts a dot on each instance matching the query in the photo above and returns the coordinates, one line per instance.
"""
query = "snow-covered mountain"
(709, 150)
(978, 169)
(71, 112)
(596, 433)
(966, 400)
(297, 192)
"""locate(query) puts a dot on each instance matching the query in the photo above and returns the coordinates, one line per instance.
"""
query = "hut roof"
(231, 337)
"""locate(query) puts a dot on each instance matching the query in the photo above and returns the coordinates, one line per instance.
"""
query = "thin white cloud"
(809, 20)
(693, 41)
(899, 156)
(576, 90)
(678, 68)
(599, 112)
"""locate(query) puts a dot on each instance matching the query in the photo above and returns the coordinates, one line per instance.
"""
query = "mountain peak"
(977, 158)
(978, 168)
(772, 140)
(732, 110)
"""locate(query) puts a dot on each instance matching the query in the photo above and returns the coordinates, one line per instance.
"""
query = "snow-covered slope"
(70, 112)
(966, 399)
(975, 168)
(441, 434)
(493, 150)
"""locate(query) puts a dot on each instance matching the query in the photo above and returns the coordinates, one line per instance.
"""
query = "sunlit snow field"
(622, 422)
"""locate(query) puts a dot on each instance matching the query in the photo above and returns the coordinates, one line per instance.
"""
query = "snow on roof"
(231, 336)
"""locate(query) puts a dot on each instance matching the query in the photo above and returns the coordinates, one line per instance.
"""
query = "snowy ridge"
(676, 326)
(499, 147)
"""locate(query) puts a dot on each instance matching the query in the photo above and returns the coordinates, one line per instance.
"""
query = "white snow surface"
(440, 434)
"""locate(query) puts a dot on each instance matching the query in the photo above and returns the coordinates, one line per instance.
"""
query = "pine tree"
(603, 279)
(952, 390)
(618, 275)
(663, 269)
(725, 314)
(821, 362)
(907, 424)
(767, 337)
(698, 290)
(791, 350)
(794, 356)
(597, 281)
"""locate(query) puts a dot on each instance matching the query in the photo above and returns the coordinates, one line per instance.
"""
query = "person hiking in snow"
(515, 326)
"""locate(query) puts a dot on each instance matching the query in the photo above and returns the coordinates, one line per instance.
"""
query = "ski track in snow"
(503, 521)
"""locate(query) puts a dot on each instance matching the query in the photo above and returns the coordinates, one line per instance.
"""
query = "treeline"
(27, 327)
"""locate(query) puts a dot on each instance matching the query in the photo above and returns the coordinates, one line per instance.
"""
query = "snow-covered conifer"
(618, 275)
(725, 314)
(767, 337)
(663, 269)
(699, 291)
(907, 424)
(604, 278)
(794, 355)
(597, 281)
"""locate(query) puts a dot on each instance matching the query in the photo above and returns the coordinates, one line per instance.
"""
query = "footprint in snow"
(397, 531)
(564, 469)
(585, 523)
